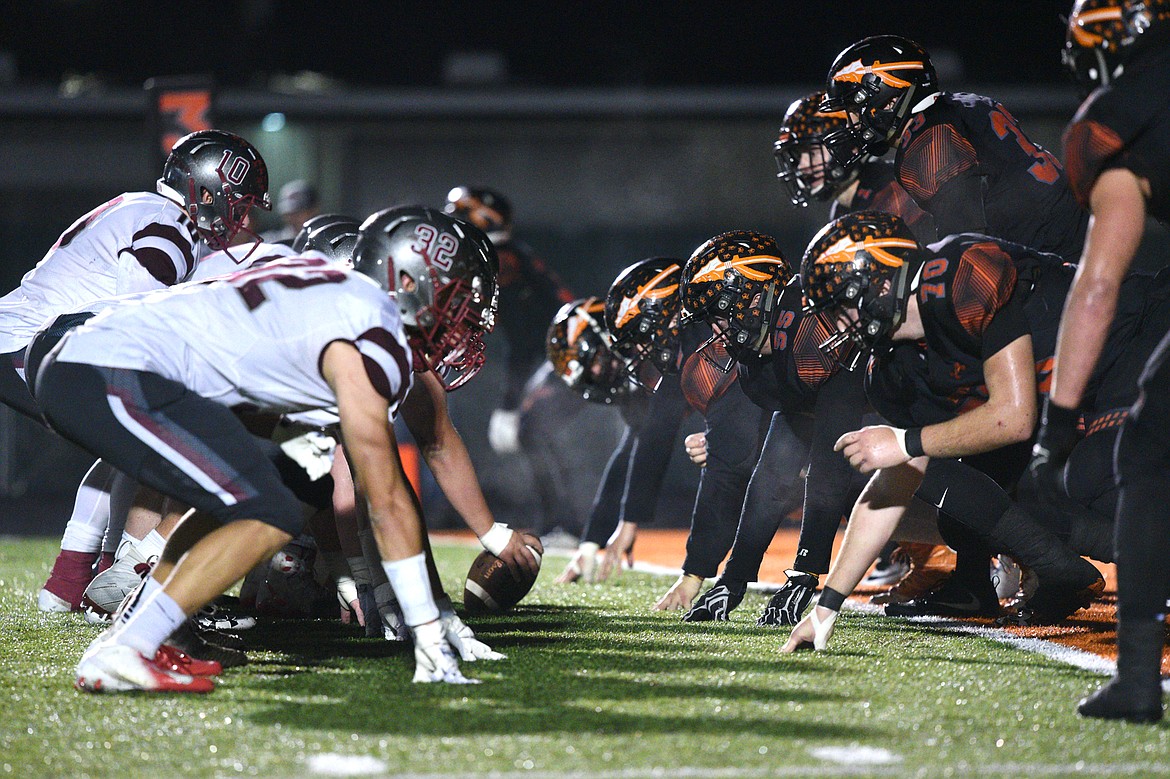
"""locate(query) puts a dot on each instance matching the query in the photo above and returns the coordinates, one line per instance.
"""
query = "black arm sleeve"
(831, 488)
(652, 455)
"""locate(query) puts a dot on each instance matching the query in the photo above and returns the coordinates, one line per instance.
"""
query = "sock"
(148, 620)
(91, 511)
(412, 586)
(124, 544)
(152, 545)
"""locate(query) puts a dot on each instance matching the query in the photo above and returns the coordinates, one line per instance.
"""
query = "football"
(491, 587)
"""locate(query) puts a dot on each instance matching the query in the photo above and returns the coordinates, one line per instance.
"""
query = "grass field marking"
(818, 770)
(1077, 658)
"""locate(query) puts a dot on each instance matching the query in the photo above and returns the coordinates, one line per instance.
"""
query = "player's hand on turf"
(681, 594)
(583, 566)
(521, 554)
(462, 639)
(812, 632)
(619, 552)
(434, 660)
(871, 448)
(696, 446)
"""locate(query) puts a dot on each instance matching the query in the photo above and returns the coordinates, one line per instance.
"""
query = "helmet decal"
(631, 305)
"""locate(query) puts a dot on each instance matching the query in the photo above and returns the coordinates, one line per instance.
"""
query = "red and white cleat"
(116, 668)
(176, 660)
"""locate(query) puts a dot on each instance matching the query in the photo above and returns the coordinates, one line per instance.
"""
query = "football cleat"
(930, 566)
(463, 640)
(108, 589)
(1058, 598)
(194, 644)
(216, 617)
(115, 668)
(788, 604)
(177, 661)
(434, 660)
(72, 572)
(717, 603)
(950, 600)
(887, 572)
(1118, 700)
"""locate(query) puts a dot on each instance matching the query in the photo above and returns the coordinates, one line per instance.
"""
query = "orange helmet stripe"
(630, 307)
(1077, 24)
(713, 270)
(844, 250)
(854, 71)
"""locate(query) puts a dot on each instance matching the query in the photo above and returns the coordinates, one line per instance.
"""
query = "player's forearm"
(1084, 326)
(983, 429)
(453, 470)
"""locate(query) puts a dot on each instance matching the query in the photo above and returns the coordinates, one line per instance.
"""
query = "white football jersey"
(254, 339)
(237, 258)
(138, 241)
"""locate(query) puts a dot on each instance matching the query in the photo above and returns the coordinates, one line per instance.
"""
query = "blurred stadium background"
(618, 130)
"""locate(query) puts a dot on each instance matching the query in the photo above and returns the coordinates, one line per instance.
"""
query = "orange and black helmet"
(1102, 33)
(802, 160)
(578, 347)
(864, 262)
(876, 81)
(642, 311)
(732, 282)
(485, 208)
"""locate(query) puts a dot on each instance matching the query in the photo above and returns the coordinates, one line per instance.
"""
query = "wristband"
(496, 540)
(900, 439)
(913, 442)
(831, 599)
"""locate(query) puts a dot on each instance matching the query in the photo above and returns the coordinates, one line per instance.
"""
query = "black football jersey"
(1127, 125)
(966, 162)
(878, 190)
(788, 379)
(970, 311)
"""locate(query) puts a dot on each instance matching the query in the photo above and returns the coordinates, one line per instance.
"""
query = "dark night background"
(547, 44)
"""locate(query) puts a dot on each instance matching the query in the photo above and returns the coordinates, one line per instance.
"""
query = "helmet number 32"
(438, 248)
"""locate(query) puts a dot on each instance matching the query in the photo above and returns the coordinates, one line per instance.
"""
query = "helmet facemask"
(447, 332)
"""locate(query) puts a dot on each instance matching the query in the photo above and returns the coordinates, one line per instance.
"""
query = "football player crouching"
(298, 334)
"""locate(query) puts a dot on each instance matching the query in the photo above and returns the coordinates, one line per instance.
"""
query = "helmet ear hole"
(406, 283)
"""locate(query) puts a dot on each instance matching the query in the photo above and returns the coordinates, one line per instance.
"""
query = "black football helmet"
(485, 208)
(876, 82)
(578, 347)
(804, 163)
(439, 271)
(731, 282)
(334, 235)
(1102, 34)
(216, 166)
(642, 312)
(863, 262)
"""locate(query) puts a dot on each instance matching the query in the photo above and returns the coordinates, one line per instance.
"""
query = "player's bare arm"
(1118, 202)
(425, 412)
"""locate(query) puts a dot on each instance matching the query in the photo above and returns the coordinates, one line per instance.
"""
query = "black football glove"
(1058, 436)
(787, 606)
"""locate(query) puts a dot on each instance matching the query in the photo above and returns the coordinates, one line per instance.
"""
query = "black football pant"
(1143, 478)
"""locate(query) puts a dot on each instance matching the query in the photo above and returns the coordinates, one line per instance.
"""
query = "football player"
(299, 334)
(952, 370)
(810, 173)
(137, 241)
(1116, 150)
(534, 404)
(963, 158)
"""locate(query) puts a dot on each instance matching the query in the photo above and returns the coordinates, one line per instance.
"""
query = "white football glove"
(463, 639)
(504, 431)
(434, 660)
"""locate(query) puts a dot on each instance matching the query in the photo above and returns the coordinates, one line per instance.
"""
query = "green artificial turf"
(595, 684)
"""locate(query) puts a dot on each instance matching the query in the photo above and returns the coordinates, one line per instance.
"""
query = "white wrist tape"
(497, 539)
(412, 587)
(900, 437)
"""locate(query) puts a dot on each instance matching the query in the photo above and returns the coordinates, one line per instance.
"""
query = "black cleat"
(717, 603)
(1119, 700)
(950, 600)
(1057, 599)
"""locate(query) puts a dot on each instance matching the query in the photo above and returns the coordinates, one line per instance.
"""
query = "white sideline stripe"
(815, 769)
(164, 449)
(482, 594)
(1077, 658)
(332, 764)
